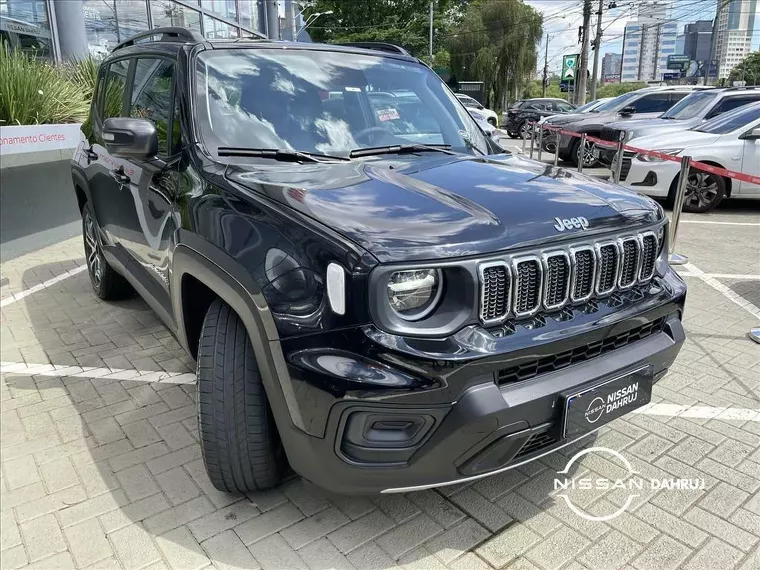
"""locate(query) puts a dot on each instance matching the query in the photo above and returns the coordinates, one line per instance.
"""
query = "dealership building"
(64, 29)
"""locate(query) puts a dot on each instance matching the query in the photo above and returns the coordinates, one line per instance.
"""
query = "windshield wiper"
(281, 154)
(400, 149)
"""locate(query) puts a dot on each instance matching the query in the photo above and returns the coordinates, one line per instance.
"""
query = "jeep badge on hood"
(570, 223)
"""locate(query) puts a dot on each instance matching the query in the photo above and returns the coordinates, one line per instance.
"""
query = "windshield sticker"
(354, 89)
(388, 114)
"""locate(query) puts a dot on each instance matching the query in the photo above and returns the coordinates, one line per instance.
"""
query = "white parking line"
(756, 224)
(40, 286)
(60, 371)
(694, 271)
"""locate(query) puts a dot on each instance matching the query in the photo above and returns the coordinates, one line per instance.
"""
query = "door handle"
(90, 154)
(119, 175)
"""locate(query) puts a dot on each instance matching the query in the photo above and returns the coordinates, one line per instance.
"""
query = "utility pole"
(430, 48)
(580, 98)
(546, 67)
(597, 49)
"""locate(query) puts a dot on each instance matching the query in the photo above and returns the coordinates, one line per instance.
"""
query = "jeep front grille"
(522, 286)
(554, 362)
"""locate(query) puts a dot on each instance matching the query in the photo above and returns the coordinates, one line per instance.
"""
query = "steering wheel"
(369, 135)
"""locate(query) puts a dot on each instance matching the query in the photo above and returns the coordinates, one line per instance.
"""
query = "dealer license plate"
(595, 152)
(592, 407)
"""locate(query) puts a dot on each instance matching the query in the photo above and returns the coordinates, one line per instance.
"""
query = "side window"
(654, 103)
(733, 102)
(112, 99)
(152, 97)
(560, 106)
(676, 97)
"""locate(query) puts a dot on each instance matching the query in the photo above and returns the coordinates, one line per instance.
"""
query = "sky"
(562, 18)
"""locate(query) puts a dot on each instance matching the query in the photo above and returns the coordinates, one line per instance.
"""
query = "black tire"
(574, 155)
(704, 191)
(239, 442)
(524, 130)
(106, 283)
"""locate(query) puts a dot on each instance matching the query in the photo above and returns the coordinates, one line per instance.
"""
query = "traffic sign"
(569, 64)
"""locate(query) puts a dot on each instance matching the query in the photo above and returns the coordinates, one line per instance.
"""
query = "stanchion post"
(683, 178)
(556, 147)
(581, 152)
(523, 143)
(619, 158)
(532, 138)
(540, 140)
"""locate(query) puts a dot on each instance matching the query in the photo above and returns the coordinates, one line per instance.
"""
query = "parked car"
(549, 139)
(731, 141)
(475, 105)
(526, 111)
(642, 103)
(689, 112)
(381, 314)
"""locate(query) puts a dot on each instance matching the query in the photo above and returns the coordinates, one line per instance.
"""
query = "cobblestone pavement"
(101, 466)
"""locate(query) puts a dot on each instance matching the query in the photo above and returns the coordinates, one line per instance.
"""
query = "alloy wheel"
(701, 190)
(92, 250)
(588, 154)
(525, 131)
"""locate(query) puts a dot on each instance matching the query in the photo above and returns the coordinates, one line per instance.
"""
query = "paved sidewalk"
(101, 466)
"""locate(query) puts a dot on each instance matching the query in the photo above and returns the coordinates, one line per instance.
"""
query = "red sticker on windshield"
(387, 114)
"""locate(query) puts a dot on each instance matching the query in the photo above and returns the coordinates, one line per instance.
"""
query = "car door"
(147, 220)
(750, 161)
(101, 169)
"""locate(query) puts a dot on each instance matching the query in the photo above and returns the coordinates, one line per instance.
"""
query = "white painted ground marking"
(695, 271)
(700, 412)
(756, 224)
(60, 371)
(40, 286)
(52, 370)
(721, 276)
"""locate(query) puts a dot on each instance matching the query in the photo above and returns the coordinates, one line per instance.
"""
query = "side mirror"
(754, 134)
(628, 110)
(126, 137)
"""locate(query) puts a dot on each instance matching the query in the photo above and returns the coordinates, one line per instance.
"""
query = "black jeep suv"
(375, 294)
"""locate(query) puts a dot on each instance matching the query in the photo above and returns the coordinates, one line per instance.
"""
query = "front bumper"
(480, 409)
(650, 178)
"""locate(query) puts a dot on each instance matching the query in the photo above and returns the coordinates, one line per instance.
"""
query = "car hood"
(433, 207)
(597, 119)
(678, 139)
(643, 127)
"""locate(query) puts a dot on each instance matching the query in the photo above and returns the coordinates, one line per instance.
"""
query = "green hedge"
(34, 92)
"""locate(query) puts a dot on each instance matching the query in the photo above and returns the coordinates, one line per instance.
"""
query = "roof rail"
(379, 46)
(167, 35)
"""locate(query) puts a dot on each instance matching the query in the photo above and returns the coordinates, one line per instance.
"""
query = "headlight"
(645, 158)
(414, 294)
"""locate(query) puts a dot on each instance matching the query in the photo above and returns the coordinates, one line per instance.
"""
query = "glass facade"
(26, 24)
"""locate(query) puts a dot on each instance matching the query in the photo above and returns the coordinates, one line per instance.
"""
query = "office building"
(734, 33)
(611, 63)
(680, 43)
(62, 29)
(647, 43)
(697, 40)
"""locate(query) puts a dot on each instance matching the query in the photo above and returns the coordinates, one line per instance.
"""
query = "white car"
(474, 106)
(731, 141)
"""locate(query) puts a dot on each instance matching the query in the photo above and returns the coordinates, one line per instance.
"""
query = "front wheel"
(239, 442)
(587, 153)
(525, 130)
(704, 191)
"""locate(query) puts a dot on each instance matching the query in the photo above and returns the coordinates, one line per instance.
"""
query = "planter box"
(35, 144)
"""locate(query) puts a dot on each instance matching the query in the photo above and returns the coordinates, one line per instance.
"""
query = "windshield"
(326, 102)
(731, 121)
(587, 106)
(618, 102)
(690, 106)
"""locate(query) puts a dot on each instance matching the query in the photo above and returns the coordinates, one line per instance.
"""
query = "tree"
(401, 22)
(496, 43)
(747, 70)
(615, 89)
